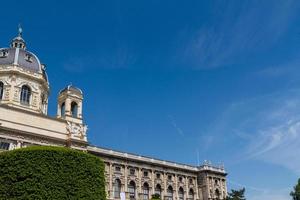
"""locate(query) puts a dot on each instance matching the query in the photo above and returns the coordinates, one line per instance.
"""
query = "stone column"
(111, 181)
(140, 182)
(176, 187)
(197, 189)
(126, 176)
(187, 182)
(164, 191)
(153, 182)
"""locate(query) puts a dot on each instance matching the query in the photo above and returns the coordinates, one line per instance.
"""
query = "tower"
(23, 79)
(69, 108)
(70, 104)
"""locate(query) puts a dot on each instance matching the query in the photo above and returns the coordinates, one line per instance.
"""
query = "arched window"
(181, 194)
(131, 190)
(170, 193)
(25, 95)
(191, 194)
(1, 90)
(117, 188)
(62, 109)
(158, 189)
(146, 191)
(74, 109)
(217, 194)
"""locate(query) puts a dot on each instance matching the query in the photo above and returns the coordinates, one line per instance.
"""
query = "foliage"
(296, 192)
(236, 195)
(155, 197)
(50, 173)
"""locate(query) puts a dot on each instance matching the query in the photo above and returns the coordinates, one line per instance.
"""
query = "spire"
(20, 30)
(18, 42)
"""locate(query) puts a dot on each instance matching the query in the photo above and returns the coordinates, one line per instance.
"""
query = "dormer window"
(3, 53)
(28, 58)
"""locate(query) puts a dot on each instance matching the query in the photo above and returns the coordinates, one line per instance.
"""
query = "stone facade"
(24, 91)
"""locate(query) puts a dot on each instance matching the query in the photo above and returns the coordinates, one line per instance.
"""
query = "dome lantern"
(18, 42)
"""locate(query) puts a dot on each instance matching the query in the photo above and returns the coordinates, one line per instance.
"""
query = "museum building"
(24, 92)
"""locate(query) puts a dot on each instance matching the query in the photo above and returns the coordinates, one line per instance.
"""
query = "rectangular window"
(157, 175)
(145, 174)
(117, 169)
(4, 145)
(132, 171)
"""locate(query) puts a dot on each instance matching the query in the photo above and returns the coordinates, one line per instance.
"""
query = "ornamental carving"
(77, 130)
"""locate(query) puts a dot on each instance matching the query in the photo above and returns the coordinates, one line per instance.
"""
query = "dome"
(17, 54)
(72, 89)
(20, 57)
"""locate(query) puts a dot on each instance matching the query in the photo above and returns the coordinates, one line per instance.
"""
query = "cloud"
(174, 124)
(235, 30)
(265, 127)
(119, 58)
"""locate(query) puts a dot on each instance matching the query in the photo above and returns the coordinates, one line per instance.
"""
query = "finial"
(20, 30)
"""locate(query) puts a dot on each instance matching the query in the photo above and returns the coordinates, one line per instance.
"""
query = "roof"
(72, 89)
(20, 57)
(130, 156)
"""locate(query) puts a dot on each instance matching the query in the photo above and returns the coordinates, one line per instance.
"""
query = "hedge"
(51, 173)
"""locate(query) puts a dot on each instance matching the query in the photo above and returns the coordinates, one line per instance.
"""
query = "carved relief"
(34, 100)
(77, 130)
(6, 93)
(16, 94)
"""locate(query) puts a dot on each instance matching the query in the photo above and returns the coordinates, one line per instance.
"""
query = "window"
(217, 182)
(158, 189)
(217, 193)
(145, 174)
(191, 181)
(180, 179)
(4, 145)
(131, 190)
(132, 171)
(117, 188)
(3, 53)
(191, 194)
(181, 194)
(146, 191)
(158, 176)
(62, 109)
(170, 178)
(28, 57)
(169, 193)
(74, 109)
(117, 169)
(1, 90)
(25, 95)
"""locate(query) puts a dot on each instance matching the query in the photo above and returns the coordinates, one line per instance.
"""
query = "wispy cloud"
(174, 124)
(120, 58)
(238, 29)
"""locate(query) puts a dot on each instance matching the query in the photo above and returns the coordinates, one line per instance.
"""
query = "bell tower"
(69, 108)
(70, 104)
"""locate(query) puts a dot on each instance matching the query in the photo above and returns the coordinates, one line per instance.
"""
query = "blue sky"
(186, 81)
